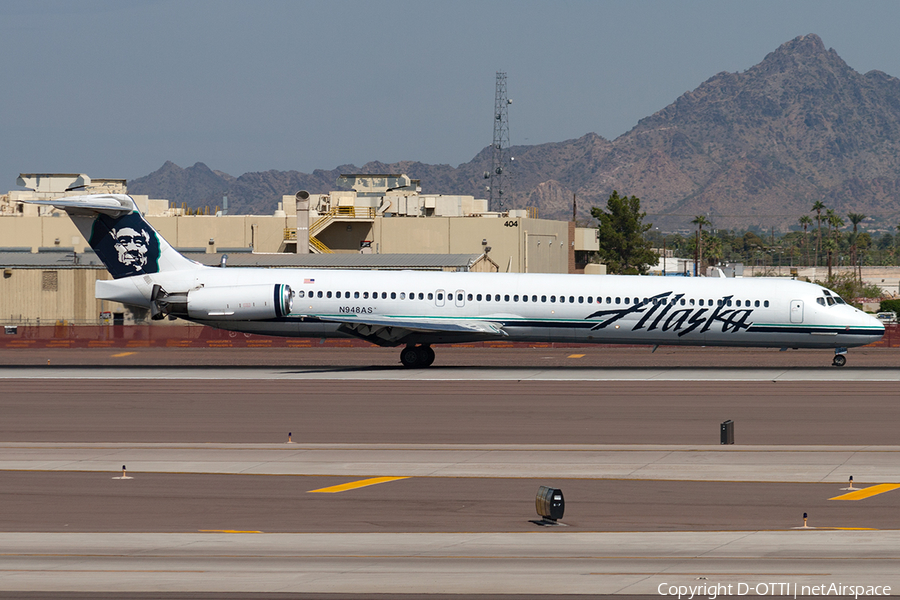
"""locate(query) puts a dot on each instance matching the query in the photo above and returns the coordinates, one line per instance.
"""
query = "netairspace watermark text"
(715, 590)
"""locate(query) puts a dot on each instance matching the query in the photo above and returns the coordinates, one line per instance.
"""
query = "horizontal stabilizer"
(111, 204)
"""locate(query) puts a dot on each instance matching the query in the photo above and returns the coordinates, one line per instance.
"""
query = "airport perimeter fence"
(197, 336)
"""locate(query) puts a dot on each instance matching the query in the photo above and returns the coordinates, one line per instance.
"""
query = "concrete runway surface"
(651, 497)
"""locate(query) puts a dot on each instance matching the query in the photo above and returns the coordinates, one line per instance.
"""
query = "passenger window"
(543, 298)
(572, 299)
(609, 300)
(422, 296)
(552, 298)
(356, 294)
(478, 297)
(384, 295)
(580, 299)
(562, 299)
(402, 295)
(440, 296)
(534, 298)
(337, 294)
(328, 294)
(365, 295)
(524, 298)
(701, 302)
(470, 297)
(682, 301)
(506, 298)
(618, 300)
(393, 295)
(487, 297)
(627, 300)
(301, 293)
(591, 300)
(766, 304)
(430, 296)
(497, 297)
(756, 304)
(516, 298)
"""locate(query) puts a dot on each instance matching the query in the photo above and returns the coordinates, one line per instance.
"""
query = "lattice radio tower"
(500, 162)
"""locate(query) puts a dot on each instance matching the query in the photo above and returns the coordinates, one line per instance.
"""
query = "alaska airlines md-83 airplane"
(417, 309)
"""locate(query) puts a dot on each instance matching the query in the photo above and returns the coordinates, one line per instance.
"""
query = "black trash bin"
(550, 503)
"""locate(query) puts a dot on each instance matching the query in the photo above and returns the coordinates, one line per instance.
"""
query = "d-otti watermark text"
(715, 590)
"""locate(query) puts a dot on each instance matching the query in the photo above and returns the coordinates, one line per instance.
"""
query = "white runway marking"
(459, 373)
(793, 464)
(518, 564)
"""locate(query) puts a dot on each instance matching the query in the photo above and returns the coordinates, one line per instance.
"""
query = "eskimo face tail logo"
(127, 245)
(132, 246)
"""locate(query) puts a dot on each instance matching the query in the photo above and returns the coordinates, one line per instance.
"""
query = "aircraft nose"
(872, 323)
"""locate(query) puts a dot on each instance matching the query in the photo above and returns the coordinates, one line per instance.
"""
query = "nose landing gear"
(417, 356)
(840, 357)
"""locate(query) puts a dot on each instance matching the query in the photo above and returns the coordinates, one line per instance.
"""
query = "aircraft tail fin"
(115, 229)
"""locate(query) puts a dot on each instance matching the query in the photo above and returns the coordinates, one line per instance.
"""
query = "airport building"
(381, 222)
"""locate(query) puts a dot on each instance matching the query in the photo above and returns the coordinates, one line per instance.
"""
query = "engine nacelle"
(236, 303)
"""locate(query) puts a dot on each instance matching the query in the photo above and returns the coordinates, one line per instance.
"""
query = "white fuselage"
(762, 312)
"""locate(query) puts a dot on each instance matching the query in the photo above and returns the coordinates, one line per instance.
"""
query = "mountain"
(755, 148)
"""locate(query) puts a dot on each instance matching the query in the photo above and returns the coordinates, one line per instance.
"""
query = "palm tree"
(699, 221)
(818, 207)
(855, 218)
(829, 246)
(834, 223)
(806, 221)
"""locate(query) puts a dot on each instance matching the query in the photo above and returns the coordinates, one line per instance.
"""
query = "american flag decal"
(309, 281)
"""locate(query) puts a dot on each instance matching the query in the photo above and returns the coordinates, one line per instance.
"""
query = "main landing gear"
(417, 356)
(840, 357)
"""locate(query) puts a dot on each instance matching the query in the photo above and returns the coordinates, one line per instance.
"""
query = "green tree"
(623, 247)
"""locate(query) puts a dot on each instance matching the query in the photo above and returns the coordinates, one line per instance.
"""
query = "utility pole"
(500, 147)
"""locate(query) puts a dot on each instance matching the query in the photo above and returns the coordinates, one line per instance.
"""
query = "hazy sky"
(116, 88)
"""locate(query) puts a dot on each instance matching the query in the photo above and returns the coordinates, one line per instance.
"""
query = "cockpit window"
(830, 301)
(821, 301)
(839, 300)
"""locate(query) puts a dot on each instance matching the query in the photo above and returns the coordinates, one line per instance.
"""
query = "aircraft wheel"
(839, 360)
(428, 355)
(411, 356)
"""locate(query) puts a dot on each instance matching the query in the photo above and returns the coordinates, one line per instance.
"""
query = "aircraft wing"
(379, 329)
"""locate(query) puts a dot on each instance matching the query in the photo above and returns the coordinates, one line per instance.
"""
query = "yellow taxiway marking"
(225, 531)
(121, 354)
(354, 485)
(576, 356)
(868, 492)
